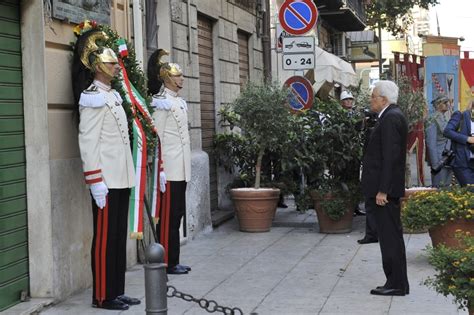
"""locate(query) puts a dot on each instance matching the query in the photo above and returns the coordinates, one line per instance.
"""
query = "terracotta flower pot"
(328, 225)
(445, 233)
(408, 193)
(255, 208)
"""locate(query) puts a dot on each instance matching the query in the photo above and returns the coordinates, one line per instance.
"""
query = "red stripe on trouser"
(100, 253)
(104, 248)
(97, 257)
(167, 222)
(164, 220)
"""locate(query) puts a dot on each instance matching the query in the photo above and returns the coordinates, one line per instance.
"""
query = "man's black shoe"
(387, 292)
(114, 304)
(282, 205)
(366, 240)
(176, 270)
(407, 290)
(128, 300)
(359, 212)
(185, 267)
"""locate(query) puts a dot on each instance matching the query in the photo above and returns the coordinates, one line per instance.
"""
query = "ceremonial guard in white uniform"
(171, 120)
(107, 164)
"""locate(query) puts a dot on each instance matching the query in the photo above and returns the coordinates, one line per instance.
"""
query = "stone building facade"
(223, 52)
(218, 44)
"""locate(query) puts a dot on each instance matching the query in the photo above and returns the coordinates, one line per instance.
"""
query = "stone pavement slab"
(292, 269)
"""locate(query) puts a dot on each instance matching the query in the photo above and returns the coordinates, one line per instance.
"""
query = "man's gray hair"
(387, 89)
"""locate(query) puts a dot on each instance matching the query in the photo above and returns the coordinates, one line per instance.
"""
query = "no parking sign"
(298, 16)
(302, 93)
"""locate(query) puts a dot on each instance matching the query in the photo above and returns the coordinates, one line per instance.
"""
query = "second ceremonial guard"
(165, 80)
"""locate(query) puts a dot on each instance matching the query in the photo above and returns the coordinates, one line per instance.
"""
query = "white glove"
(99, 191)
(162, 182)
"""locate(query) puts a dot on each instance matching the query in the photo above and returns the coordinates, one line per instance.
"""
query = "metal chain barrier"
(210, 306)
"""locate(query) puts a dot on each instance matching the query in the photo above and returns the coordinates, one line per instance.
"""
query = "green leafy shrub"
(334, 208)
(262, 116)
(454, 270)
(426, 209)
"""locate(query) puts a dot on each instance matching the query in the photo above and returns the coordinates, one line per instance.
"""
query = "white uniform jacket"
(171, 120)
(103, 138)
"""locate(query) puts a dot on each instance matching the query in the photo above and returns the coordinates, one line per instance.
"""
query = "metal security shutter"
(206, 85)
(13, 216)
(243, 58)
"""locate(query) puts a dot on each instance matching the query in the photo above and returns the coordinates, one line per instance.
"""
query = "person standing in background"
(436, 143)
(460, 129)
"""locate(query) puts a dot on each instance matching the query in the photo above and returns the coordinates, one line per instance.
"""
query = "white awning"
(330, 68)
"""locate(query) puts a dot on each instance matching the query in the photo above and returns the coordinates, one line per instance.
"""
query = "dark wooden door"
(13, 212)
(206, 85)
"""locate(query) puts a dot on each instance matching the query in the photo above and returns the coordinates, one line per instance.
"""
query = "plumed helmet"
(90, 53)
(95, 53)
(346, 95)
(160, 72)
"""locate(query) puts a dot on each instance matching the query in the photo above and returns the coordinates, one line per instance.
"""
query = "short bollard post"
(155, 280)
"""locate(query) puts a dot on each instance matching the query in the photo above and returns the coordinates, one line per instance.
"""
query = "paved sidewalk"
(290, 270)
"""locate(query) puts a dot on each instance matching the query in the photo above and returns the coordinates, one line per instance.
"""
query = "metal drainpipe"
(266, 45)
(380, 50)
(190, 43)
(138, 30)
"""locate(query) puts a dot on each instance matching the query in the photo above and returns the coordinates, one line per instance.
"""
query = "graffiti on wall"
(76, 11)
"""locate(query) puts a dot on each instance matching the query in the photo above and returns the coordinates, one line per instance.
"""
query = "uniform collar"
(170, 92)
(102, 85)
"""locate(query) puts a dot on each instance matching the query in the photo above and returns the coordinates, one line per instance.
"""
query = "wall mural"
(76, 11)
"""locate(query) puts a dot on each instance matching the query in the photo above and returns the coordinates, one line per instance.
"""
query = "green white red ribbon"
(139, 156)
(122, 47)
(139, 152)
(138, 191)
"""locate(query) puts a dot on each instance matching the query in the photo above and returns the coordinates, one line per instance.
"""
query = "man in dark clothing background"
(383, 183)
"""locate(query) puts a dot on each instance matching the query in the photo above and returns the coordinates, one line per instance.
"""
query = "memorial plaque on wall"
(76, 11)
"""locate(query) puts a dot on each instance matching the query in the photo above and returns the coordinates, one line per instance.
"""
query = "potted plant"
(328, 154)
(409, 192)
(334, 207)
(442, 212)
(262, 117)
(454, 271)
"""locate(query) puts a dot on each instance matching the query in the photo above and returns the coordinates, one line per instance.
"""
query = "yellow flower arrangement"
(454, 270)
(430, 208)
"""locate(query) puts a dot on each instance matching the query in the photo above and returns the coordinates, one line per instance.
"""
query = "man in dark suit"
(383, 183)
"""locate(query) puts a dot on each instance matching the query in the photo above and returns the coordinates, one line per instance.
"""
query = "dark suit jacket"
(458, 130)
(385, 157)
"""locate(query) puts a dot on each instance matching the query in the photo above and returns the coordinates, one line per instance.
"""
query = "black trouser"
(109, 245)
(177, 211)
(370, 222)
(392, 246)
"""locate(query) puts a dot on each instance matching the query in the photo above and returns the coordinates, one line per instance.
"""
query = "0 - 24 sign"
(298, 61)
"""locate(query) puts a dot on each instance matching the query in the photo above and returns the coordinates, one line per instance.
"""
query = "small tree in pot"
(262, 116)
(337, 141)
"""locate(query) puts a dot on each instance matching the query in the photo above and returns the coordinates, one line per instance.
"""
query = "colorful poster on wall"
(442, 78)
(466, 93)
